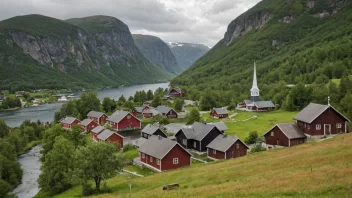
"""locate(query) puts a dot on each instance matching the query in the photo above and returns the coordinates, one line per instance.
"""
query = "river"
(30, 164)
(46, 112)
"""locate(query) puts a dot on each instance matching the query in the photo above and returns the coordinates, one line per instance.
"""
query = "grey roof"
(117, 116)
(221, 111)
(98, 129)
(176, 89)
(174, 127)
(68, 120)
(138, 142)
(247, 102)
(220, 125)
(181, 115)
(147, 111)
(155, 112)
(139, 109)
(264, 104)
(85, 122)
(150, 129)
(163, 109)
(291, 130)
(95, 114)
(312, 111)
(106, 134)
(197, 131)
(158, 147)
(223, 143)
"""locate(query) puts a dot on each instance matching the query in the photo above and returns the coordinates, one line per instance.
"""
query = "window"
(237, 145)
(272, 133)
(305, 125)
(175, 161)
(151, 159)
(143, 155)
(195, 144)
(158, 162)
(214, 151)
(318, 127)
(338, 125)
(184, 141)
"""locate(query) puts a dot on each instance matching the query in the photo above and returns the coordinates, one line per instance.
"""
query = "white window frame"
(195, 144)
(175, 160)
(237, 145)
(157, 162)
(318, 127)
(143, 155)
(151, 159)
(338, 125)
(184, 141)
(214, 151)
(272, 133)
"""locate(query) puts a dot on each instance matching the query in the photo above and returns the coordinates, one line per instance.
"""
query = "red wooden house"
(175, 92)
(123, 120)
(96, 131)
(226, 147)
(147, 113)
(68, 122)
(167, 111)
(219, 113)
(97, 117)
(321, 120)
(88, 125)
(110, 136)
(136, 111)
(163, 154)
(284, 135)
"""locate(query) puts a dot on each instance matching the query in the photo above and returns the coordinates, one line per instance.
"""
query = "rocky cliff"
(187, 53)
(47, 52)
(157, 52)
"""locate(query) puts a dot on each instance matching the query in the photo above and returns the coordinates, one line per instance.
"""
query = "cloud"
(201, 21)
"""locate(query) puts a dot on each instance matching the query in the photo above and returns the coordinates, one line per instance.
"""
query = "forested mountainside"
(157, 52)
(187, 53)
(93, 52)
(292, 41)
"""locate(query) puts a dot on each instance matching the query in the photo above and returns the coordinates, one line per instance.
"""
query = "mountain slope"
(317, 169)
(187, 53)
(42, 52)
(157, 52)
(292, 41)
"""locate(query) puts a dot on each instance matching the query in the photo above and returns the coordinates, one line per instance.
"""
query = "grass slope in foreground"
(276, 173)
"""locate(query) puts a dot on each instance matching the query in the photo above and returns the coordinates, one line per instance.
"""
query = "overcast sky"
(200, 21)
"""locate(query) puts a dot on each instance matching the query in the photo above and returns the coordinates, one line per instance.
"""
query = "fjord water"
(46, 112)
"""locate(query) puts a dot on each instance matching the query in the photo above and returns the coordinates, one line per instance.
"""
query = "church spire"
(254, 89)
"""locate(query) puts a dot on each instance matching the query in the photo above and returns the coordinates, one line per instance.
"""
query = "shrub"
(128, 147)
(257, 148)
(252, 137)
(164, 121)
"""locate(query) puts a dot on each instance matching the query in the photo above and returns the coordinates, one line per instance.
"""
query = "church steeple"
(254, 90)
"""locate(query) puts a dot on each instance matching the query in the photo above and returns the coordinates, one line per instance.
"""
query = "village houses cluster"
(160, 151)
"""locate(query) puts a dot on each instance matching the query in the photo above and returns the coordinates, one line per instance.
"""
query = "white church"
(254, 104)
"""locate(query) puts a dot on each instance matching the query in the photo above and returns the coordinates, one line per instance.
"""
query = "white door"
(327, 129)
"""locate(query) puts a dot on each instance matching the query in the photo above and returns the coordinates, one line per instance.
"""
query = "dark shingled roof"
(264, 104)
(221, 111)
(150, 129)
(98, 129)
(158, 147)
(222, 143)
(68, 120)
(163, 109)
(95, 114)
(220, 125)
(312, 111)
(198, 131)
(85, 122)
(291, 130)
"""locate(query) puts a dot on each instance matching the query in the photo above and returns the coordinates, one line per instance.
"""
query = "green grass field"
(317, 169)
(261, 124)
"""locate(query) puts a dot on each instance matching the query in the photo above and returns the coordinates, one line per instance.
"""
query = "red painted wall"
(69, 126)
(215, 114)
(173, 92)
(89, 127)
(217, 155)
(278, 139)
(114, 138)
(101, 120)
(184, 159)
(234, 152)
(331, 117)
(146, 160)
(125, 123)
(147, 115)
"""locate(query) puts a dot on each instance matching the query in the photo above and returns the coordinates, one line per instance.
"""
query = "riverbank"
(10, 109)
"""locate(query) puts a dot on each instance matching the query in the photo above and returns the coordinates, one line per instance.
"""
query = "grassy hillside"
(306, 48)
(318, 169)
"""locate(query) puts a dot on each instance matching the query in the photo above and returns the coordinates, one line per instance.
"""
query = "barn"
(175, 92)
(123, 120)
(96, 131)
(198, 136)
(167, 111)
(68, 122)
(97, 117)
(284, 135)
(321, 120)
(88, 125)
(226, 147)
(162, 154)
(110, 136)
(219, 113)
